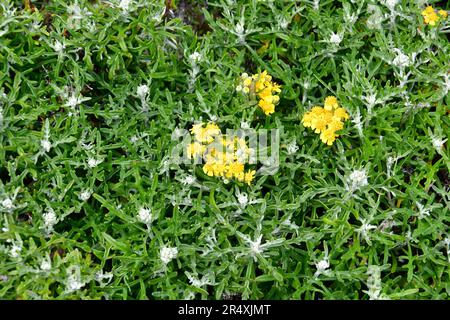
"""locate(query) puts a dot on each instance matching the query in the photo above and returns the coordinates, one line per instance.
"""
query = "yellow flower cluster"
(326, 120)
(431, 17)
(224, 156)
(263, 87)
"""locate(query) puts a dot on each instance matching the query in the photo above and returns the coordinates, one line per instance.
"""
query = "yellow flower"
(247, 82)
(263, 87)
(208, 168)
(319, 124)
(336, 125)
(326, 121)
(328, 136)
(249, 176)
(307, 119)
(340, 113)
(267, 107)
(196, 128)
(195, 149)
(429, 16)
(443, 13)
(206, 134)
(224, 157)
(330, 103)
(240, 176)
(234, 169)
(219, 169)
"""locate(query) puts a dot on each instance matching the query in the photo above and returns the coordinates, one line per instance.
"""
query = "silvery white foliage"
(35, 25)
(7, 202)
(292, 147)
(1, 117)
(445, 84)
(181, 198)
(124, 5)
(245, 125)
(46, 265)
(392, 160)
(446, 243)
(137, 137)
(374, 283)
(211, 244)
(401, 60)
(240, 31)
(188, 180)
(376, 17)
(189, 295)
(335, 38)
(205, 280)
(145, 216)
(356, 180)
(356, 120)
(350, 17)
(164, 165)
(256, 247)
(316, 4)
(93, 162)
(194, 60)
(437, 141)
(364, 230)
(269, 166)
(76, 14)
(159, 15)
(195, 57)
(322, 267)
(74, 281)
(238, 28)
(242, 201)
(15, 250)
(391, 4)
(142, 92)
(50, 220)
(5, 31)
(82, 142)
(388, 223)
(422, 210)
(73, 101)
(167, 254)
(370, 100)
(170, 44)
(91, 26)
(85, 194)
(286, 223)
(283, 22)
(8, 10)
(103, 278)
(45, 143)
(59, 48)
(178, 133)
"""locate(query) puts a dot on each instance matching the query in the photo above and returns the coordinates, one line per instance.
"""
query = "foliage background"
(388, 239)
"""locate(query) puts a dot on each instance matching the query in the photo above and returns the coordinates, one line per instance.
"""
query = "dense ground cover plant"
(95, 96)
